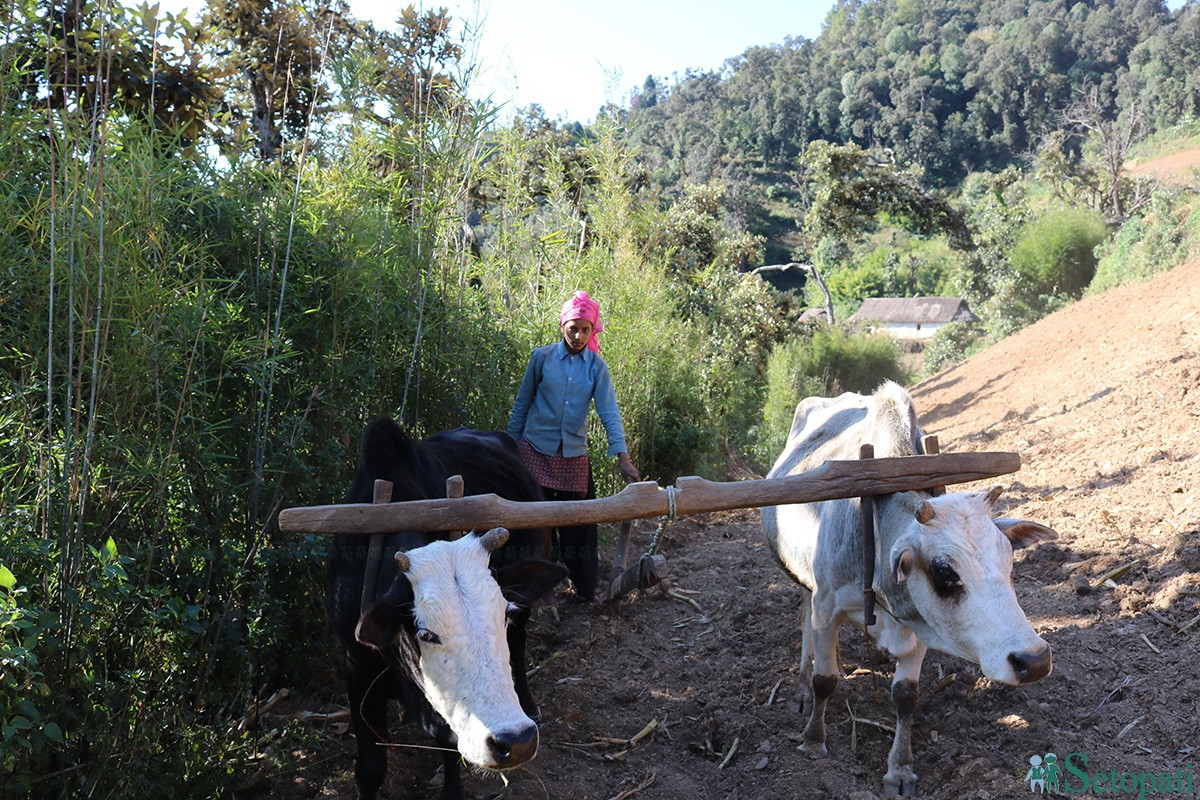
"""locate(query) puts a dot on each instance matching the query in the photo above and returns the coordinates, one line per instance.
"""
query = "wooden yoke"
(830, 481)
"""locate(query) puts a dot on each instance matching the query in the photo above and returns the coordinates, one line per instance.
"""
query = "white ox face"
(956, 563)
(459, 615)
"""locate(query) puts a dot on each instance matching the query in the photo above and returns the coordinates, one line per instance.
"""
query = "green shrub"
(786, 386)
(952, 343)
(1164, 238)
(829, 362)
(1055, 254)
(857, 282)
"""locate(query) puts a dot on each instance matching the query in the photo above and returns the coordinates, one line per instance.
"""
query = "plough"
(690, 495)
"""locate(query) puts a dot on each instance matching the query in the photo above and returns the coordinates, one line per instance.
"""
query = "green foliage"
(828, 363)
(950, 344)
(787, 385)
(1165, 237)
(26, 735)
(1056, 252)
(186, 349)
(854, 189)
(854, 283)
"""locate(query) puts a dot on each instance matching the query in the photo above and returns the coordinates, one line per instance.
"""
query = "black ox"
(446, 634)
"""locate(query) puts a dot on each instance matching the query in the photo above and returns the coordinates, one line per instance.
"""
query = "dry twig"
(257, 709)
(675, 595)
(650, 728)
(774, 689)
(1114, 573)
(1128, 727)
(1164, 620)
(647, 781)
(944, 682)
(880, 725)
(316, 716)
(729, 755)
(555, 655)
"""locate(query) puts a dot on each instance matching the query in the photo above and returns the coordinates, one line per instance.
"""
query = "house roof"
(915, 310)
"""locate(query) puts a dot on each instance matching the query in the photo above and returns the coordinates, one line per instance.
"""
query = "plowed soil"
(1102, 402)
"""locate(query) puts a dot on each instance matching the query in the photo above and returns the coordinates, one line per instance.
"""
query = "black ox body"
(384, 643)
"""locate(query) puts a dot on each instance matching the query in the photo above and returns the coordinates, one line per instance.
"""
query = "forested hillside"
(229, 240)
(949, 87)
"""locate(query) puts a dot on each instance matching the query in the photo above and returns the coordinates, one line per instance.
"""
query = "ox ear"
(383, 622)
(526, 581)
(1022, 532)
(902, 563)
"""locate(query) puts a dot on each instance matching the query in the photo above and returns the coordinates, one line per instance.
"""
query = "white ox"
(943, 568)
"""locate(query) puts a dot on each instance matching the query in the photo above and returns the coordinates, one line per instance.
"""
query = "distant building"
(912, 317)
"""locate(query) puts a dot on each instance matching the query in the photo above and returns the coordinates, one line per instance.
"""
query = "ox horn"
(403, 563)
(494, 538)
(993, 495)
(924, 512)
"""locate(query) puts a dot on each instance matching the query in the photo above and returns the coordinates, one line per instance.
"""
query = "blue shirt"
(556, 393)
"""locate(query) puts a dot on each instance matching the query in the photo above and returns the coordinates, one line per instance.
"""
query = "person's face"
(576, 333)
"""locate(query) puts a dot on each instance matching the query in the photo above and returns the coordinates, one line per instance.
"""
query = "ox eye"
(945, 580)
(428, 637)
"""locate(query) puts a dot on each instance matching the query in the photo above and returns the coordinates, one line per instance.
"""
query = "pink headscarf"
(580, 306)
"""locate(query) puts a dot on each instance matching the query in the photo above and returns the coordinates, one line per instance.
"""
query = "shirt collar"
(563, 352)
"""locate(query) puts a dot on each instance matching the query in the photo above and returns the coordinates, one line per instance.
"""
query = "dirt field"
(1102, 401)
(1179, 167)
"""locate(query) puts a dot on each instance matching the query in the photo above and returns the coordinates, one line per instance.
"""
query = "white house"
(912, 317)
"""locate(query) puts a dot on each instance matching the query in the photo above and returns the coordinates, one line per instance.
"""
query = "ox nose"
(1031, 666)
(515, 747)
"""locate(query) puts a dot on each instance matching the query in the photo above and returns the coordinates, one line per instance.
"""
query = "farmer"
(549, 421)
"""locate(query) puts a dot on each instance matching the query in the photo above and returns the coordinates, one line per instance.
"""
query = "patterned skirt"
(556, 471)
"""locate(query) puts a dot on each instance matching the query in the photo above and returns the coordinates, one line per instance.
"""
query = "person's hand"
(628, 470)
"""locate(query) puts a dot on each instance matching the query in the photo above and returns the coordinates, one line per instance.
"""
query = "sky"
(572, 56)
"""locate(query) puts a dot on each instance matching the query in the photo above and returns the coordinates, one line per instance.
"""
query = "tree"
(102, 58)
(412, 63)
(1111, 139)
(277, 47)
(647, 97)
(853, 188)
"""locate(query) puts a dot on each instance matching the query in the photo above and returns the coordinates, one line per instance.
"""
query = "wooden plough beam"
(693, 495)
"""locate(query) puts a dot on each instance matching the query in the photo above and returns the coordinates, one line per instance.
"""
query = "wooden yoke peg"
(929, 444)
(455, 486)
(867, 512)
(381, 492)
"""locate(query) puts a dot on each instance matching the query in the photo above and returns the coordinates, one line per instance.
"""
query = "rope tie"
(646, 563)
